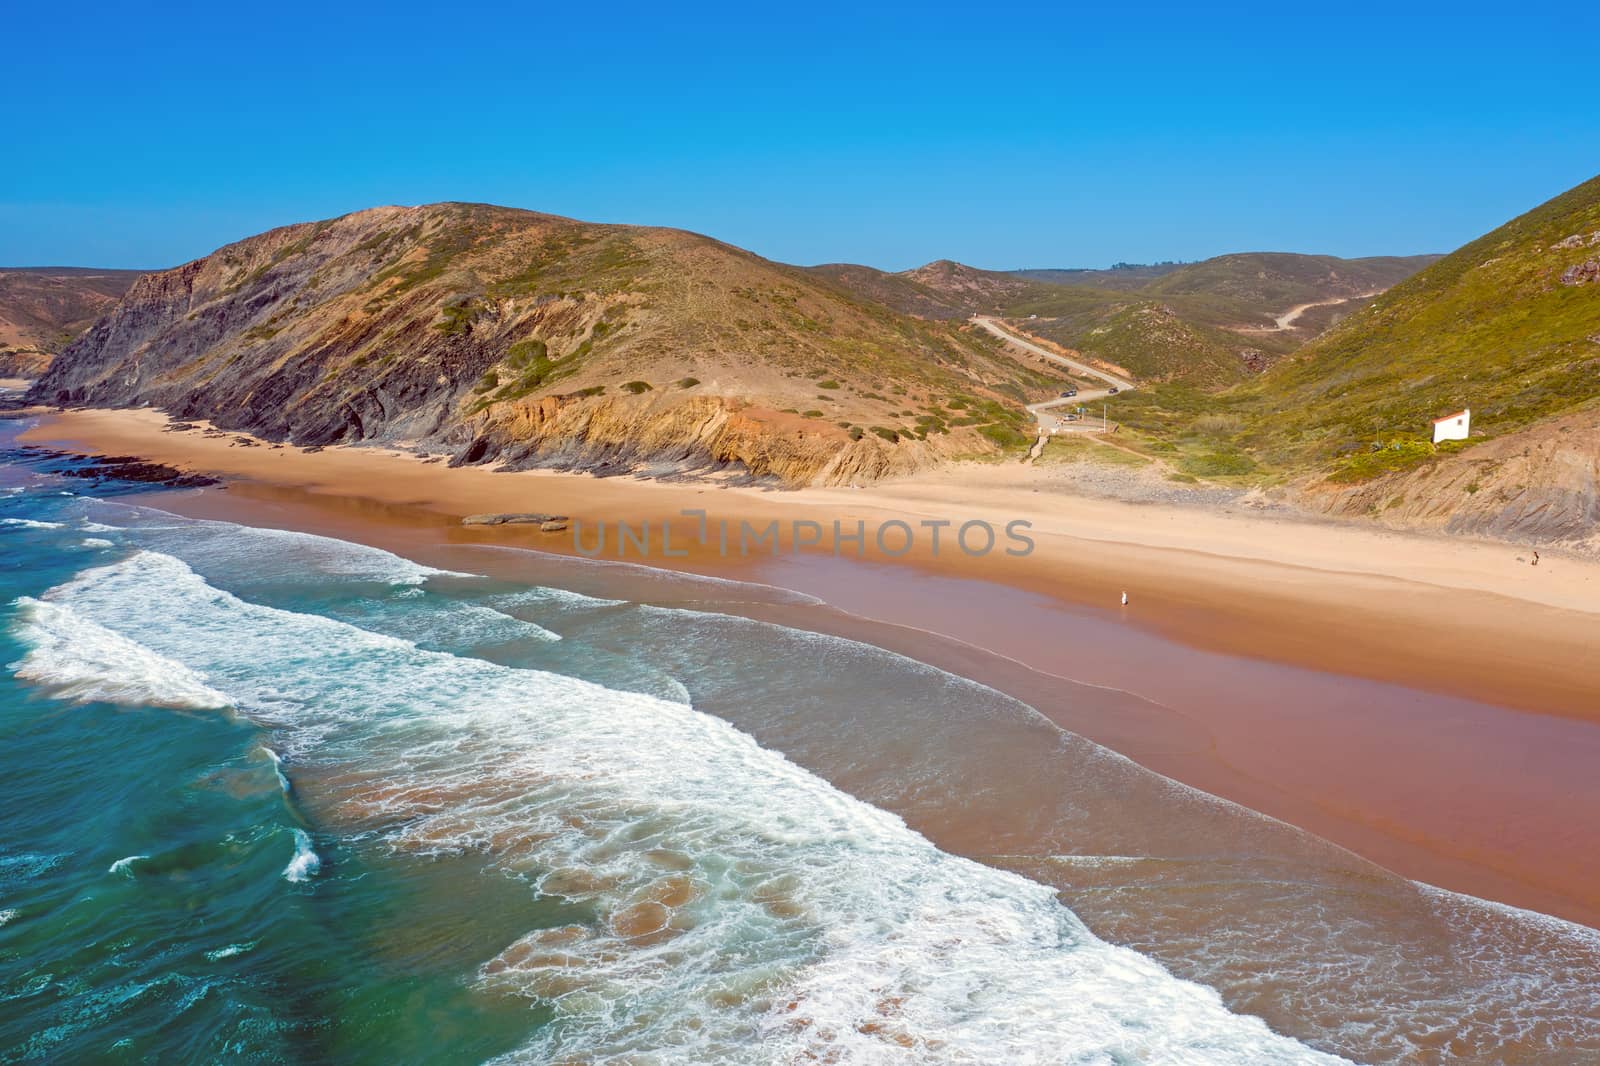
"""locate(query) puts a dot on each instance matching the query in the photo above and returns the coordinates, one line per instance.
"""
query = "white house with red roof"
(1452, 427)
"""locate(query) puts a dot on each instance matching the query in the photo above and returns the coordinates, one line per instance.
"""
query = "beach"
(1423, 701)
(686, 804)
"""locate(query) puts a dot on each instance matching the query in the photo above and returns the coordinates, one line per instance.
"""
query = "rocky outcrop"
(1540, 485)
(1584, 273)
(696, 437)
(515, 518)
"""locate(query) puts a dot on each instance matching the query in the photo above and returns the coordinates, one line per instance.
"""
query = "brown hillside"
(508, 336)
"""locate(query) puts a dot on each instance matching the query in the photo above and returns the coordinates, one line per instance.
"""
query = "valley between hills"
(488, 336)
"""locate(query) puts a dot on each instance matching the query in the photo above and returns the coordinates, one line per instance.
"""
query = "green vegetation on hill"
(1509, 325)
(1211, 323)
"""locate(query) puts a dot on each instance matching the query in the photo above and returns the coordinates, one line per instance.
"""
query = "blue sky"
(1003, 135)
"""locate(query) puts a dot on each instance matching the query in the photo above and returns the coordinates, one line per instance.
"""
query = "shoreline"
(1411, 777)
(1461, 617)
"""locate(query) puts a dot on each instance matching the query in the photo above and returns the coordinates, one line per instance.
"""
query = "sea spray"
(305, 863)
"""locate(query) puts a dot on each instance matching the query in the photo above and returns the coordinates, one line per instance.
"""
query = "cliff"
(503, 336)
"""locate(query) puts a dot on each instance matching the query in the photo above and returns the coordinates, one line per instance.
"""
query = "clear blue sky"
(1001, 135)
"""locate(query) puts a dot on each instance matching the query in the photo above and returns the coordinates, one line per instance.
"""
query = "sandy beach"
(1427, 702)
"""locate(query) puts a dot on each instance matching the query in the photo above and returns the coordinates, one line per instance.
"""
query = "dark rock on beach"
(559, 521)
(115, 468)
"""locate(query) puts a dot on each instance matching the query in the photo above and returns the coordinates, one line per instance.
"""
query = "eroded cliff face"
(1540, 485)
(271, 336)
(696, 436)
(507, 337)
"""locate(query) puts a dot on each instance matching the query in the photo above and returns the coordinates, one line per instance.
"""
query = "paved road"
(1042, 411)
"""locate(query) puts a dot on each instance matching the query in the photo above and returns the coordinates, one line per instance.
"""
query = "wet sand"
(1382, 749)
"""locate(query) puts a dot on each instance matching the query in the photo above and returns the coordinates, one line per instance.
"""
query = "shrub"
(1004, 436)
(890, 435)
(688, 383)
(1219, 464)
(1380, 459)
(813, 414)
(457, 319)
(828, 384)
(526, 353)
(636, 387)
(1217, 425)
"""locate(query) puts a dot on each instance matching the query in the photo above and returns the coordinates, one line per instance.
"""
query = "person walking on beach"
(1124, 599)
(1535, 558)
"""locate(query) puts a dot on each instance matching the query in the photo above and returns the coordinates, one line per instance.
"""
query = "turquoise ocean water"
(275, 797)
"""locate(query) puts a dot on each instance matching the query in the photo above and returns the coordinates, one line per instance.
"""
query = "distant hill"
(1211, 323)
(1508, 325)
(507, 336)
(1120, 276)
(940, 290)
(46, 307)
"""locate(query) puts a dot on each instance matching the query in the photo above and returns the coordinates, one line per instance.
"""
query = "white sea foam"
(277, 768)
(98, 527)
(273, 554)
(96, 542)
(300, 552)
(549, 595)
(81, 660)
(451, 625)
(7, 915)
(29, 523)
(230, 951)
(124, 865)
(745, 910)
(306, 863)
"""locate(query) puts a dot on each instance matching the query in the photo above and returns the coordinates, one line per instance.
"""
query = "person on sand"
(1124, 599)
(1535, 559)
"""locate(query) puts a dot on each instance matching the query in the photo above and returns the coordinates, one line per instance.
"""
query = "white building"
(1452, 427)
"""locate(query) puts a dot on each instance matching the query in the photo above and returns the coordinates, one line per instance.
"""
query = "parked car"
(1113, 389)
(1069, 394)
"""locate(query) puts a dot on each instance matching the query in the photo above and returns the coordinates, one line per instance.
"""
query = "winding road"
(1049, 422)
(1287, 320)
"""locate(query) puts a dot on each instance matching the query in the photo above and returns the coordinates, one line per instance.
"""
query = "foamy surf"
(744, 909)
(29, 523)
(218, 954)
(77, 659)
(124, 865)
(277, 769)
(305, 863)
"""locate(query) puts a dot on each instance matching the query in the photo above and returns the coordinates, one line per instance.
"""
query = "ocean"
(277, 797)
